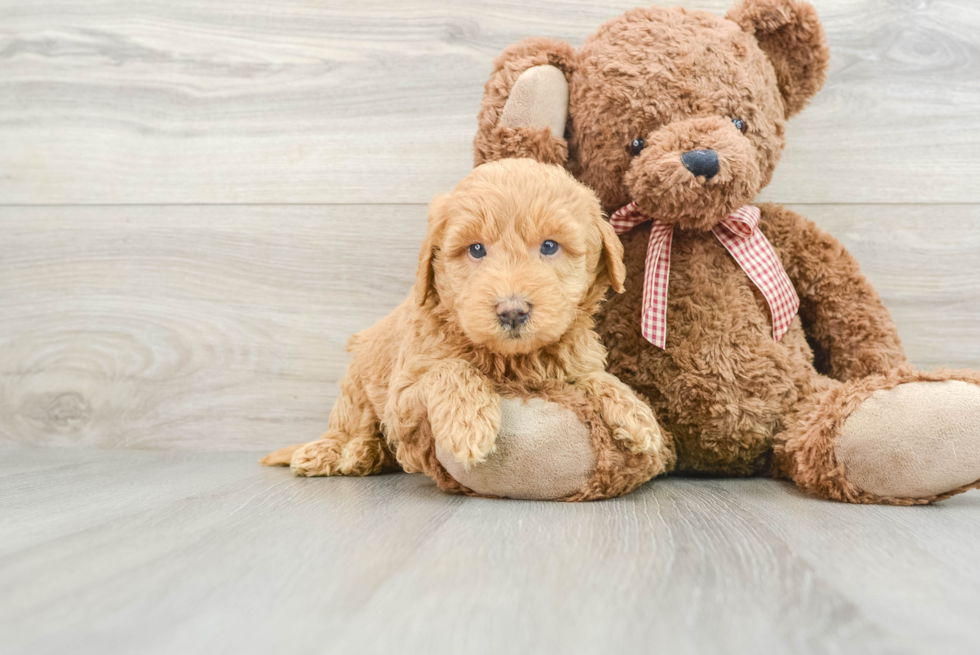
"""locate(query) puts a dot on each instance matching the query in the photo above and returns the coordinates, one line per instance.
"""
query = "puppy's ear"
(791, 35)
(612, 255)
(525, 104)
(425, 276)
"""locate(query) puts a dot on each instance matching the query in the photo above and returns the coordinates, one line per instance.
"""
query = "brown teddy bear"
(751, 332)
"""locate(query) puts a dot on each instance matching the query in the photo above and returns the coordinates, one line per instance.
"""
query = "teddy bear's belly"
(723, 385)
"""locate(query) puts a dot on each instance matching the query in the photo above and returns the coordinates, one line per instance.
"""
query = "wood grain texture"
(189, 327)
(141, 101)
(216, 328)
(258, 173)
(121, 552)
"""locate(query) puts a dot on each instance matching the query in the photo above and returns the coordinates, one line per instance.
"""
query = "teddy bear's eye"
(740, 124)
(549, 247)
(636, 146)
(478, 251)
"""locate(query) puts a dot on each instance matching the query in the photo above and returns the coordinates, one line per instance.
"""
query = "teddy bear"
(752, 333)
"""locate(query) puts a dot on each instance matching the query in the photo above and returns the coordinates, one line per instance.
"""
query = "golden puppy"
(515, 262)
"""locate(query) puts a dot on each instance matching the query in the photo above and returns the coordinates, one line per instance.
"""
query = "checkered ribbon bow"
(740, 235)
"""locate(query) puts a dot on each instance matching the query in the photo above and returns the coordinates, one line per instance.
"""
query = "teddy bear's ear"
(791, 35)
(425, 275)
(525, 103)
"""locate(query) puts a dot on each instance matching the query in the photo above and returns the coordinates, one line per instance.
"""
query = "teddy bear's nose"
(701, 162)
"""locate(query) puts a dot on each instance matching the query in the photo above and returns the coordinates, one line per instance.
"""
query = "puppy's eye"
(549, 247)
(478, 251)
(636, 146)
(740, 125)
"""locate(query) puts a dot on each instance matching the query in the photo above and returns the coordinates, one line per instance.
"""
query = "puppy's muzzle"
(513, 312)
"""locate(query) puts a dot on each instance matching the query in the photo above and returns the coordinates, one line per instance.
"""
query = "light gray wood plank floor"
(110, 552)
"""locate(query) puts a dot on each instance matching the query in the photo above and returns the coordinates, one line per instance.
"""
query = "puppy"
(515, 261)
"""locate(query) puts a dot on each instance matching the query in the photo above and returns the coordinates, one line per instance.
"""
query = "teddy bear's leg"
(352, 445)
(902, 438)
(554, 445)
(543, 451)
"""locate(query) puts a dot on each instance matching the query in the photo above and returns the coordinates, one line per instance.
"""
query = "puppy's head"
(516, 253)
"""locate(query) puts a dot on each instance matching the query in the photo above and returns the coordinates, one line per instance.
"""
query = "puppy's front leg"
(629, 418)
(461, 405)
(463, 410)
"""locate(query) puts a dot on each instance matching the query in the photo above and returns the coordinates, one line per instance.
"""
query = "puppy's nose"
(701, 162)
(513, 312)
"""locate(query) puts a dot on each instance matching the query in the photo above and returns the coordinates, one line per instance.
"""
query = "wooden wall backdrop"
(200, 201)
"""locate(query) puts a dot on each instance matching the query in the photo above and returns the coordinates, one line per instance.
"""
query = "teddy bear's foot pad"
(917, 440)
(542, 452)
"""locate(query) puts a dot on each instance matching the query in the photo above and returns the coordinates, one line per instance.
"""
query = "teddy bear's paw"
(339, 455)
(917, 440)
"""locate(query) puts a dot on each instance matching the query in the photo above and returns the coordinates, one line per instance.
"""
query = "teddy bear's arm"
(852, 332)
(525, 104)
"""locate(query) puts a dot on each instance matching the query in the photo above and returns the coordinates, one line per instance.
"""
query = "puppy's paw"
(470, 432)
(319, 457)
(632, 422)
(629, 419)
(339, 455)
(637, 439)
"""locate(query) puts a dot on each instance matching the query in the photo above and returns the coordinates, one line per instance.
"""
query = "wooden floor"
(201, 201)
(148, 552)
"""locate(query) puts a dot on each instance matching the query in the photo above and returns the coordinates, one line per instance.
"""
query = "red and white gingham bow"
(740, 235)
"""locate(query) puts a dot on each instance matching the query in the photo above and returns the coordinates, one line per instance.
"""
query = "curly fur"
(434, 370)
(733, 400)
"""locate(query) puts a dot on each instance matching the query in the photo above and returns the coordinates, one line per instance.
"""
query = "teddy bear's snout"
(694, 172)
(701, 163)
